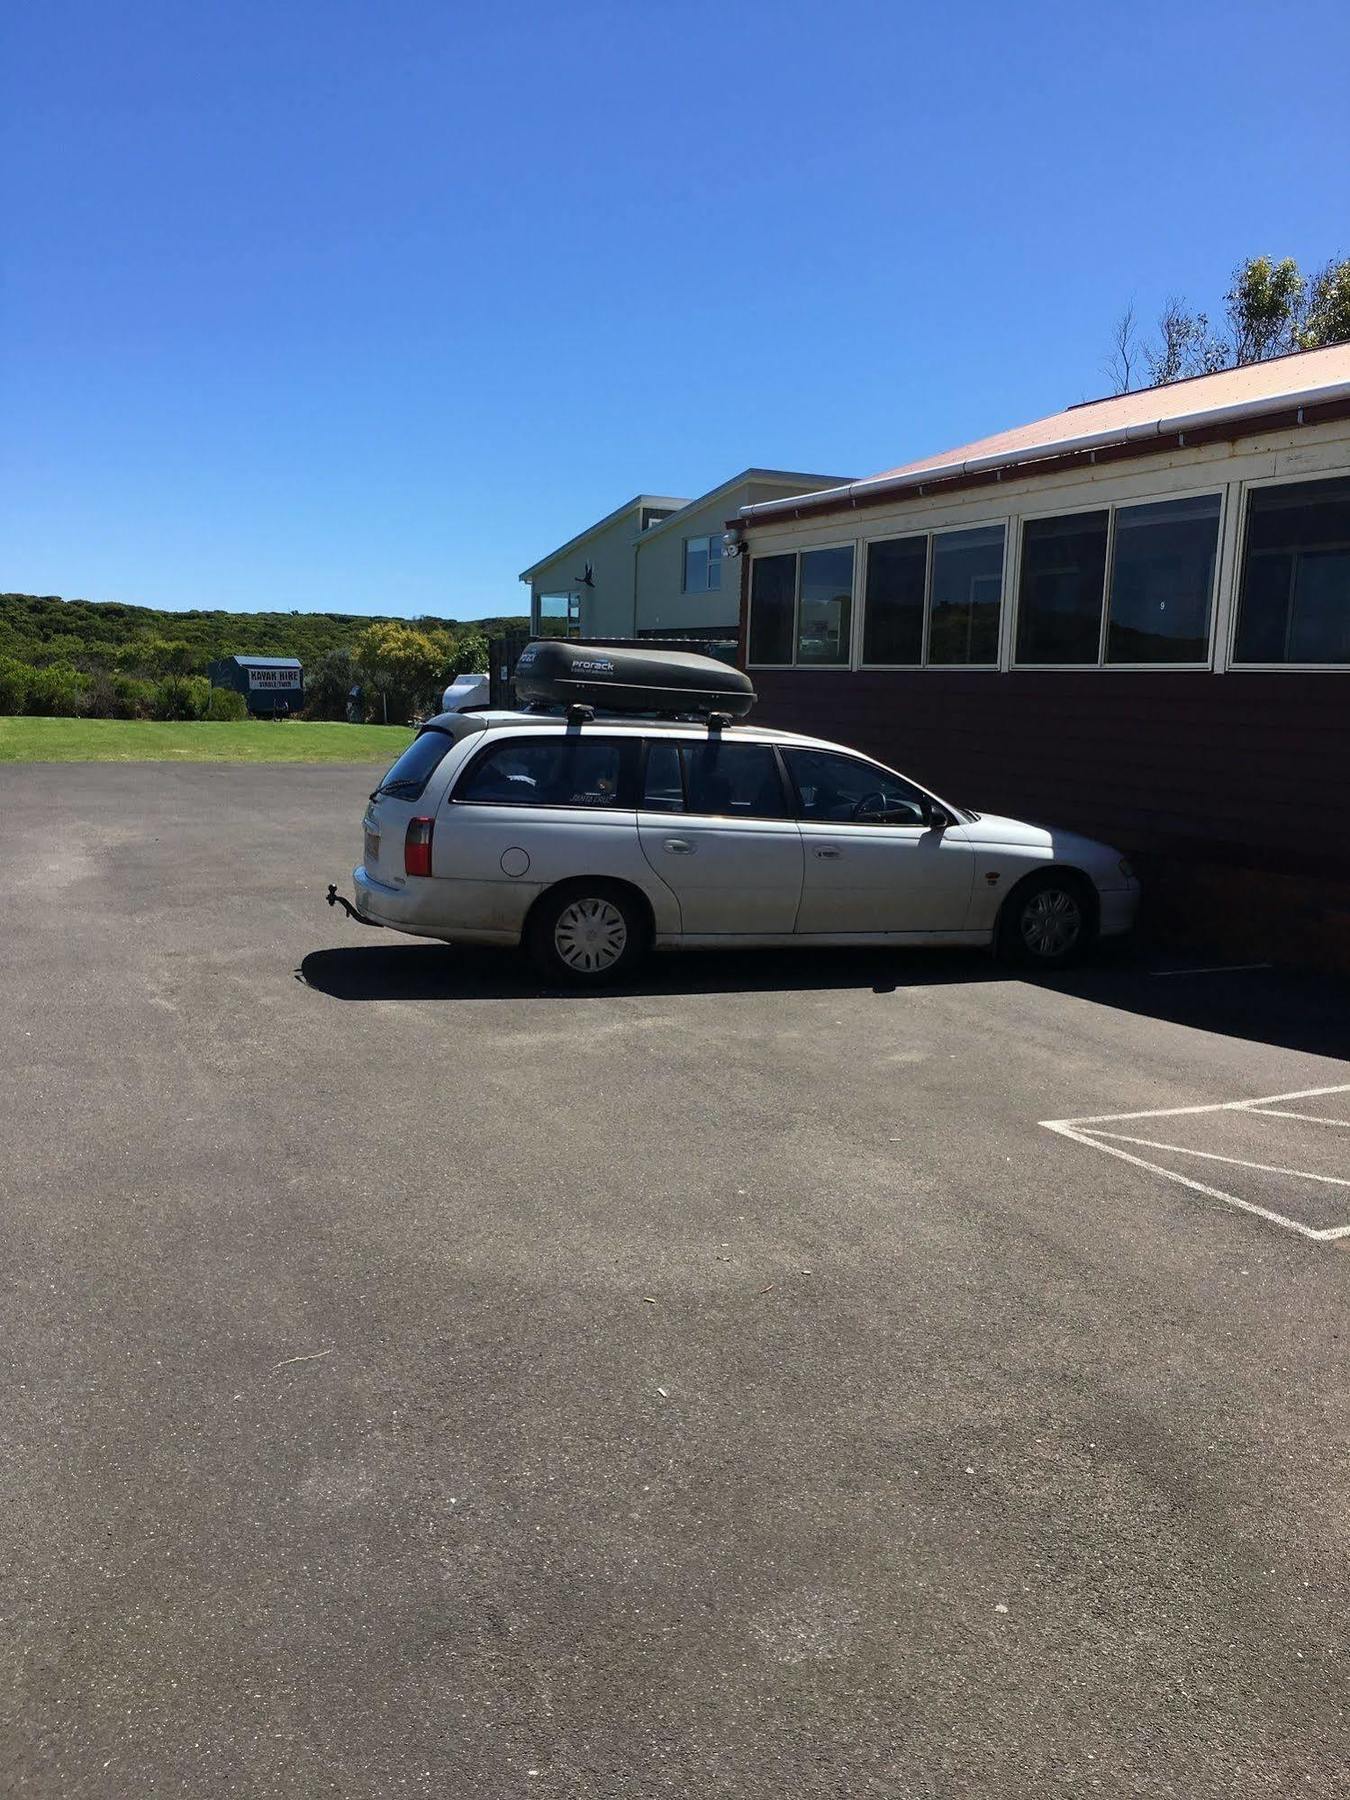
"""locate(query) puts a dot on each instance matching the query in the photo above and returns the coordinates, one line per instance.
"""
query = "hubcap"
(590, 935)
(1052, 922)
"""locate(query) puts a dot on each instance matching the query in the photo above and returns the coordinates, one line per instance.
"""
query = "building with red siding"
(1131, 618)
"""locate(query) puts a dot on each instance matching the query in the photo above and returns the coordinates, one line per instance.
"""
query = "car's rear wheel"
(587, 934)
(1048, 922)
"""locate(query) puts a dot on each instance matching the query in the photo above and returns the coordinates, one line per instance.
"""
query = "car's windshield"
(410, 774)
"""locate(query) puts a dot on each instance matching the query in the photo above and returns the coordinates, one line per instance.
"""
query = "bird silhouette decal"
(587, 579)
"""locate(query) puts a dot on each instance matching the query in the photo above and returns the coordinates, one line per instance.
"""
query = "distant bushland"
(106, 659)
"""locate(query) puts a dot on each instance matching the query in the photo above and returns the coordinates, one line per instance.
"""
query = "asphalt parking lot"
(740, 1385)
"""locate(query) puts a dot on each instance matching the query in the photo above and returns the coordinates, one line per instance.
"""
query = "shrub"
(14, 680)
(225, 705)
(57, 692)
(118, 697)
(181, 697)
(327, 685)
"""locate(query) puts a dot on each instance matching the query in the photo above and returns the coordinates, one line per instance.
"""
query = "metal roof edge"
(878, 486)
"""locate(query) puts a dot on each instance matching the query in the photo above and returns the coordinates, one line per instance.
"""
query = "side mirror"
(937, 816)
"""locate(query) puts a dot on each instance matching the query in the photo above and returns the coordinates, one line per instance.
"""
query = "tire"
(587, 934)
(1049, 922)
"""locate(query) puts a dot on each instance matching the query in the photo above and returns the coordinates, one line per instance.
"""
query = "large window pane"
(559, 615)
(772, 580)
(1162, 577)
(893, 611)
(1059, 609)
(967, 594)
(826, 605)
(1296, 575)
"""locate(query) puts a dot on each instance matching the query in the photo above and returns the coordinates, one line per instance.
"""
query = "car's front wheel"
(1048, 922)
(587, 934)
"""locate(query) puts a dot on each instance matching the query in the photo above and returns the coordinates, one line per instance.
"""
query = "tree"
(403, 666)
(1326, 315)
(1265, 304)
(1185, 346)
(1270, 309)
(1123, 360)
(470, 653)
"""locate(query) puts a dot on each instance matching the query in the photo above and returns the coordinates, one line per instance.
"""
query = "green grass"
(143, 740)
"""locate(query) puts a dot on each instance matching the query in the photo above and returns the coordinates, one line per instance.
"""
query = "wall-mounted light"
(733, 544)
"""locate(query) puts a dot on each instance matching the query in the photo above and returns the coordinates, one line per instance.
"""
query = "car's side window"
(663, 787)
(550, 771)
(733, 780)
(840, 789)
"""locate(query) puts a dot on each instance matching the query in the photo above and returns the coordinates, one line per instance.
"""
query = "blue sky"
(367, 306)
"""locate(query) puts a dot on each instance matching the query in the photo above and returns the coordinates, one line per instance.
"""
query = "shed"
(269, 684)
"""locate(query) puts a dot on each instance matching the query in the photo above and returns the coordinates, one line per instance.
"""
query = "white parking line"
(1271, 1112)
(1080, 1131)
(1241, 1162)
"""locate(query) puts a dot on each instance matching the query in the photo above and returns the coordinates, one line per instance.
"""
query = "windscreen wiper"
(392, 787)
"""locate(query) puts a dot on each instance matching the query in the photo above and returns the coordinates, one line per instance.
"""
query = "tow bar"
(336, 899)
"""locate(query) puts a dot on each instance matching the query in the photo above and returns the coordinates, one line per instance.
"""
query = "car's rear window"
(550, 771)
(418, 763)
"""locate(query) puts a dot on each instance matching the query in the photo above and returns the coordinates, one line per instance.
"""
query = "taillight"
(417, 847)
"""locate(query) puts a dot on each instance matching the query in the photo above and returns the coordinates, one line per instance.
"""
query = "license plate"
(372, 855)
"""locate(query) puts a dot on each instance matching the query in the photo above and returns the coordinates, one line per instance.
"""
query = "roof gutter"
(882, 486)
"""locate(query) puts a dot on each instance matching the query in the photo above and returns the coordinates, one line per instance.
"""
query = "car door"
(872, 860)
(715, 824)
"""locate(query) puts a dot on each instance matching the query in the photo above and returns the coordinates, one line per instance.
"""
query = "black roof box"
(559, 672)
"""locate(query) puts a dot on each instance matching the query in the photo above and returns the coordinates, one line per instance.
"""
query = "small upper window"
(1059, 614)
(1295, 605)
(549, 771)
(702, 565)
(839, 789)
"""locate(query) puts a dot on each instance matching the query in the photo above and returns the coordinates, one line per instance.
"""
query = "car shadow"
(441, 972)
(1294, 1009)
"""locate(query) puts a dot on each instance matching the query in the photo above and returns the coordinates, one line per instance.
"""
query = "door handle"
(679, 846)
(829, 853)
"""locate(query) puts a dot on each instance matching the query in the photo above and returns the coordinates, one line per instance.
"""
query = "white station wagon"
(595, 840)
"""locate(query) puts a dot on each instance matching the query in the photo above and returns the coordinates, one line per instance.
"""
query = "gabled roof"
(264, 662)
(782, 477)
(629, 506)
(787, 478)
(1307, 378)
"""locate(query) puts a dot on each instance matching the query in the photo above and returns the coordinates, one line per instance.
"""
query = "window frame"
(1301, 478)
(627, 792)
(710, 538)
(931, 533)
(796, 552)
(1111, 507)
